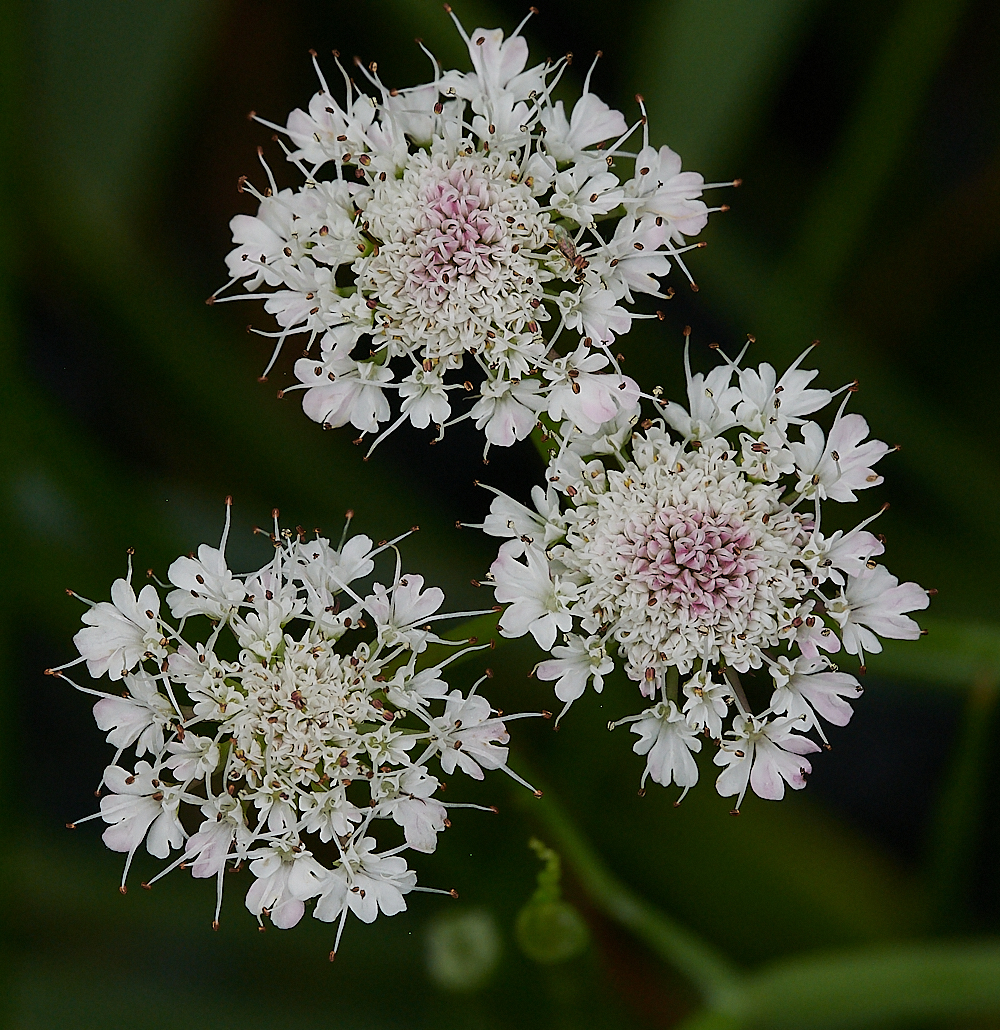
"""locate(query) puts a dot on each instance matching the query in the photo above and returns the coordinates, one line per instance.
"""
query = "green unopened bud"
(462, 950)
(549, 929)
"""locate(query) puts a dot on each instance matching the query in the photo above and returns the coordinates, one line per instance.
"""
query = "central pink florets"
(692, 559)
(461, 237)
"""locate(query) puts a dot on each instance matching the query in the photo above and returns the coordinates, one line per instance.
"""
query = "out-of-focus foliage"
(867, 138)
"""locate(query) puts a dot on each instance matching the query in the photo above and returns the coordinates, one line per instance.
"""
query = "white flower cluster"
(312, 720)
(470, 216)
(690, 551)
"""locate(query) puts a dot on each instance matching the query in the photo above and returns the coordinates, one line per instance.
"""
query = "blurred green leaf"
(834, 224)
(958, 814)
(954, 654)
(109, 101)
(877, 987)
(703, 98)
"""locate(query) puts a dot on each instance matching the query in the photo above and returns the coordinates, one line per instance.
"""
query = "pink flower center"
(460, 238)
(691, 559)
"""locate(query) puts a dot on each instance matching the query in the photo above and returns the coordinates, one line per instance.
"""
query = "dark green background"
(867, 138)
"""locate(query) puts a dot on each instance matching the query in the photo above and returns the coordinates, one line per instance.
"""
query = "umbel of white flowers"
(299, 722)
(470, 217)
(689, 551)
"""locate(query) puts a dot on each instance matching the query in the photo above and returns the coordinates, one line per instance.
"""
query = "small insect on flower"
(468, 218)
(690, 553)
(299, 717)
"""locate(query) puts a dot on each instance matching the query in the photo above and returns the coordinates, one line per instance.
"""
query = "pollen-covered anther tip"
(641, 792)
(537, 793)
(447, 7)
(215, 924)
(210, 300)
(261, 379)
(312, 53)
(71, 826)
(546, 714)
(123, 889)
(251, 115)
(453, 893)
(145, 886)
(686, 330)
(494, 809)
(737, 182)
(734, 811)
(333, 955)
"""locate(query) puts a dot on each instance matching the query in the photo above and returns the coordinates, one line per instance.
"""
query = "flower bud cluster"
(471, 217)
(689, 551)
(280, 718)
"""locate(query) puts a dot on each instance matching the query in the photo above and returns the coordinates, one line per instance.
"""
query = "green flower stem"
(718, 981)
